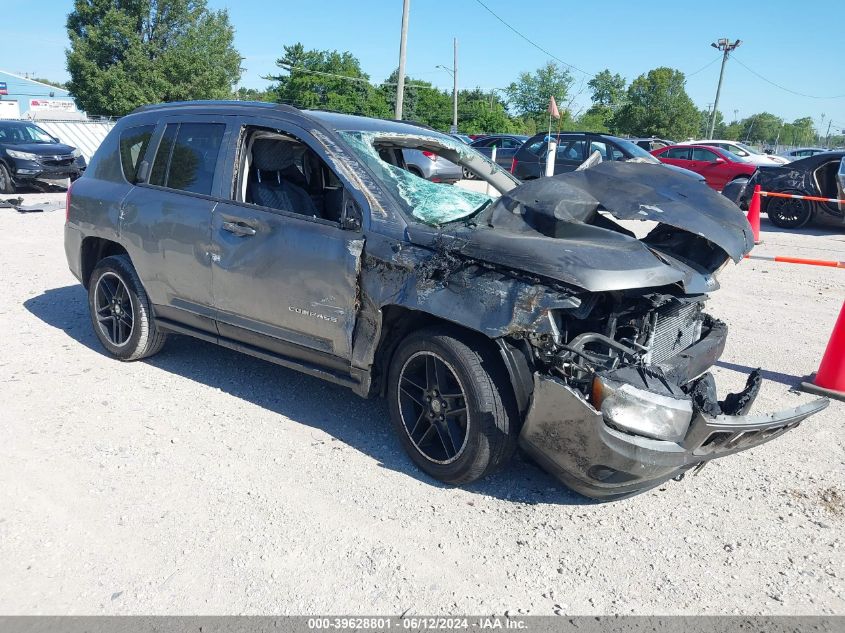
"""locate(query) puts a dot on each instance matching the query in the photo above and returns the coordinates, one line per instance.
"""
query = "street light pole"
(455, 89)
(400, 79)
(726, 46)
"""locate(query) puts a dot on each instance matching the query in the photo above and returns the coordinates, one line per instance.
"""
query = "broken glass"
(428, 202)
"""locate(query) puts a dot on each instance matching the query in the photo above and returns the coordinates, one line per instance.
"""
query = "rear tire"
(451, 405)
(468, 175)
(120, 310)
(6, 184)
(788, 213)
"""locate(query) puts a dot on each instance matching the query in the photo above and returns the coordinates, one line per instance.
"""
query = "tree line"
(126, 54)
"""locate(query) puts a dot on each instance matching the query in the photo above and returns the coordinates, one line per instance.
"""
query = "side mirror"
(55, 139)
(719, 161)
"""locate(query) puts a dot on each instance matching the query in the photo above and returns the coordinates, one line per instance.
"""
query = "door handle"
(240, 229)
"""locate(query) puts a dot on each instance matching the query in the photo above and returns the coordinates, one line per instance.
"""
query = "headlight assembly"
(642, 412)
(22, 155)
(76, 153)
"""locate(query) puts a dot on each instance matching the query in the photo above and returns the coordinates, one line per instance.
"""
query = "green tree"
(326, 80)
(528, 96)
(596, 119)
(732, 131)
(658, 105)
(252, 94)
(608, 95)
(126, 53)
(422, 102)
(607, 89)
(761, 127)
(799, 132)
(718, 130)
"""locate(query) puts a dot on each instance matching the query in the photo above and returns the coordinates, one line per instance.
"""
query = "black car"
(820, 175)
(573, 148)
(29, 156)
(530, 319)
(506, 146)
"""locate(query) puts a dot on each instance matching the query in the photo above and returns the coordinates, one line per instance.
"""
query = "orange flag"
(553, 108)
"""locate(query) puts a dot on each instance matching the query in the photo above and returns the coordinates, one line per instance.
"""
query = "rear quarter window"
(133, 145)
(536, 147)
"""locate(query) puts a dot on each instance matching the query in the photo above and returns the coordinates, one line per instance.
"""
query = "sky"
(798, 45)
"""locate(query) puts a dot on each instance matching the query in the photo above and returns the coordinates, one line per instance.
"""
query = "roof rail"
(222, 102)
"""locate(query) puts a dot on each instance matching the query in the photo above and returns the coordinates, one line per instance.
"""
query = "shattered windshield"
(428, 202)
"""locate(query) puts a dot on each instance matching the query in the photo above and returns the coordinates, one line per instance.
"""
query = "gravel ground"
(203, 481)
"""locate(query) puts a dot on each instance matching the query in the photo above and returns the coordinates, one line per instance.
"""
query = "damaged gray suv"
(534, 317)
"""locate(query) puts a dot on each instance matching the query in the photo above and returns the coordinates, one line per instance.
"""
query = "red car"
(718, 166)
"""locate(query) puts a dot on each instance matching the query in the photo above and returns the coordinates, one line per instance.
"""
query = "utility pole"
(455, 89)
(827, 140)
(454, 72)
(726, 46)
(400, 80)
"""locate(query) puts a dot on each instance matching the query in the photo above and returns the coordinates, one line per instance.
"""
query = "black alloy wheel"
(789, 213)
(121, 312)
(114, 309)
(432, 404)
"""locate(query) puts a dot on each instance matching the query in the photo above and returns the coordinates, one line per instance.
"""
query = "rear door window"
(570, 150)
(678, 153)
(187, 155)
(133, 145)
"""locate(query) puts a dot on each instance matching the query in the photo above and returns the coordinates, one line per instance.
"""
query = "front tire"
(120, 310)
(789, 213)
(451, 406)
(6, 184)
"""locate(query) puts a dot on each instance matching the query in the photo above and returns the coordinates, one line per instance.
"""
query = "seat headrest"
(275, 155)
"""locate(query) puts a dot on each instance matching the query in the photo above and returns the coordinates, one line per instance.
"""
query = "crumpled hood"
(556, 227)
(630, 191)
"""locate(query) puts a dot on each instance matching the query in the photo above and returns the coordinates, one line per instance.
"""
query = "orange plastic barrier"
(795, 196)
(830, 263)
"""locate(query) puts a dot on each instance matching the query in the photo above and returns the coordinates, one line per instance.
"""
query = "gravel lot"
(206, 482)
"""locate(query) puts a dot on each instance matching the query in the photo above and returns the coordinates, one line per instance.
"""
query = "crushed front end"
(623, 400)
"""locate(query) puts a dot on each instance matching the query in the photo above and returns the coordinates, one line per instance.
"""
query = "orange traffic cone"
(830, 379)
(754, 214)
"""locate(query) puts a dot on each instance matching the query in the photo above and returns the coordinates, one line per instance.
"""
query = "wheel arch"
(399, 321)
(95, 249)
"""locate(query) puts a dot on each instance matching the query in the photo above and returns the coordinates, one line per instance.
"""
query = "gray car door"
(283, 279)
(167, 218)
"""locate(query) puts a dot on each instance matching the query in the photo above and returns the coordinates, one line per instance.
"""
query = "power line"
(707, 65)
(558, 59)
(358, 79)
(784, 88)
(532, 42)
